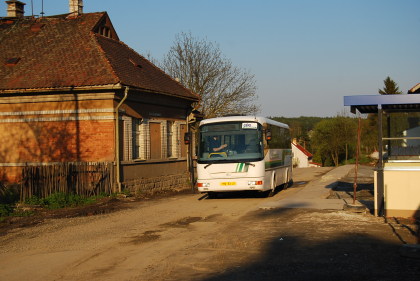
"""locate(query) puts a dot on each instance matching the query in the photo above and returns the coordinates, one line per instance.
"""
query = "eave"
(390, 103)
(117, 86)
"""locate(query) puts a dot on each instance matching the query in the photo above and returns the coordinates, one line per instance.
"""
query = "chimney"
(15, 9)
(76, 7)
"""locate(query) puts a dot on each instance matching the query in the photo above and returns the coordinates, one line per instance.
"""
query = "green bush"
(5, 210)
(61, 200)
(56, 201)
(34, 200)
(8, 194)
(363, 159)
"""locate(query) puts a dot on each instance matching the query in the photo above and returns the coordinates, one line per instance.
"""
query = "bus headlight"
(203, 184)
(255, 182)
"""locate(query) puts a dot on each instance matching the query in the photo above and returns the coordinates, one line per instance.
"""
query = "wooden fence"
(85, 179)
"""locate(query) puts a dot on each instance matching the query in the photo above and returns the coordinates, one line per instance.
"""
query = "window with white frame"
(129, 138)
(169, 138)
(152, 139)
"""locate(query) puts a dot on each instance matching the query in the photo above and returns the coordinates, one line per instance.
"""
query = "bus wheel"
(289, 183)
(270, 193)
(211, 195)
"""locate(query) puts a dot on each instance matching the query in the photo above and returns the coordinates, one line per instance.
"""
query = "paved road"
(189, 237)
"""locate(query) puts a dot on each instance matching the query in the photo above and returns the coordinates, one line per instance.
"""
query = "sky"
(306, 55)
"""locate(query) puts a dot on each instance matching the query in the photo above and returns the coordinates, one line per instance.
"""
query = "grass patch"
(363, 159)
(60, 200)
(9, 199)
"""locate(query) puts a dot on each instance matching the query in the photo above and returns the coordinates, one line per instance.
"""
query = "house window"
(153, 139)
(183, 148)
(131, 145)
(170, 139)
(142, 133)
(128, 138)
(105, 31)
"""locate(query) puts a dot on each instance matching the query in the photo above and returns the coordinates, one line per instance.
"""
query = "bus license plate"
(228, 183)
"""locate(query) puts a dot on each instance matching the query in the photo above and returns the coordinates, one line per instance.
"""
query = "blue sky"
(305, 54)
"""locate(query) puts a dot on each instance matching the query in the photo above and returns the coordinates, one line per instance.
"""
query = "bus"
(243, 153)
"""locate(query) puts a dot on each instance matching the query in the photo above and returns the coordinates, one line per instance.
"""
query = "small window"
(134, 63)
(36, 27)
(12, 61)
(170, 139)
(105, 31)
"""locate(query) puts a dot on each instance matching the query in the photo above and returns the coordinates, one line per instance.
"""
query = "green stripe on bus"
(238, 167)
(241, 167)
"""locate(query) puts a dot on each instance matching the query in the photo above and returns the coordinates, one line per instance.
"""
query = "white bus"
(239, 153)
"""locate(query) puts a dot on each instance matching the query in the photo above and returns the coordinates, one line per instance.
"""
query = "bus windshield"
(230, 142)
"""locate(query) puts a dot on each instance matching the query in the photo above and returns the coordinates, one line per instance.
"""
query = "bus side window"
(266, 142)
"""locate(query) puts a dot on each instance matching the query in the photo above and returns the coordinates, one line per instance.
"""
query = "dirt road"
(189, 237)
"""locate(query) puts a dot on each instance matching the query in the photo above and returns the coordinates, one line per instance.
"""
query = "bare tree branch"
(200, 66)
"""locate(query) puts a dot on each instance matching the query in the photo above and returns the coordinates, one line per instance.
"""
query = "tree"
(332, 138)
(397, 122)
(390, 87)
(200, 66)
(369, 141)
(300, 128)
(348, 134)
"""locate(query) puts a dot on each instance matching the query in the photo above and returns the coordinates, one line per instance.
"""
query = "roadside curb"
(314, 195)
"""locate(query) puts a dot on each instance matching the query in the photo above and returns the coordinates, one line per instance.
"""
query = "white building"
(302, 157)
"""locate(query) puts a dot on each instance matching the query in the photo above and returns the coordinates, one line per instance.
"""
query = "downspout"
(117, 139)
(190, 160)
(189, 156)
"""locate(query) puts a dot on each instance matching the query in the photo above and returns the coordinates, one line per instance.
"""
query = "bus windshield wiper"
(205, 167)
(249, 163)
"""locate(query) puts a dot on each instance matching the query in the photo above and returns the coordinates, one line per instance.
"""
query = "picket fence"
(83, 178)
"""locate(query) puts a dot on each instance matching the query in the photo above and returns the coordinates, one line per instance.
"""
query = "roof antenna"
(42, 9)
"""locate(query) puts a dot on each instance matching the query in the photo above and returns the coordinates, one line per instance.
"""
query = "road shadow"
(361, 254)
(242, 194)
(291, 258)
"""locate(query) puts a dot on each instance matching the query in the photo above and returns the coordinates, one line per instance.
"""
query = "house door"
(155, 141)
(183, 129)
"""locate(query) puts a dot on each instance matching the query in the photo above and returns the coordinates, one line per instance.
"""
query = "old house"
(302, 158)
(71, 91)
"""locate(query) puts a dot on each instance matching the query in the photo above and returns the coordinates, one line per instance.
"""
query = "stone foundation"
(155, 185)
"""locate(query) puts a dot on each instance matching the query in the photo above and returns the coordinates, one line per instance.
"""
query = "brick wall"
(45, 142)
(56, 128)
(57, 141)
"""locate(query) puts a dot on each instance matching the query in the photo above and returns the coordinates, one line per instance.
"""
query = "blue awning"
(390, 103)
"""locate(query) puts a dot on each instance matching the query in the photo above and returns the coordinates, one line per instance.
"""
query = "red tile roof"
(301, 148)
(134, 70)
(415, 89)
(60, 52)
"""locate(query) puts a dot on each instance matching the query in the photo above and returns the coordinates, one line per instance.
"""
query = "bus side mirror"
(268, 135)
(187, 138)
